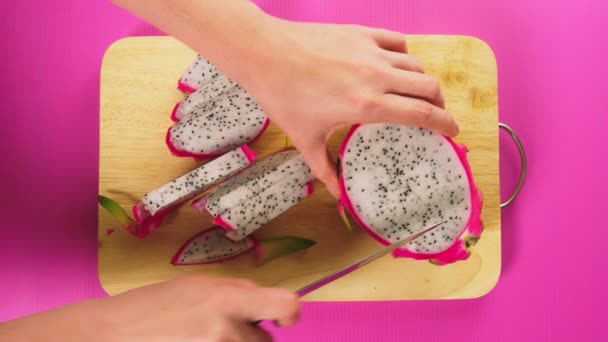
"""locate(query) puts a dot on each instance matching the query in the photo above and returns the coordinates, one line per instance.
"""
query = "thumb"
(322, 166)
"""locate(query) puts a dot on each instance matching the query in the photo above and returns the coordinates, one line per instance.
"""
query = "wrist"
(249, 42)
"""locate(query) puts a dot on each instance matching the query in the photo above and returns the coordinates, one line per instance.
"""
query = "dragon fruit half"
(259, 194)
(397, 180)
(155, 205)
(217, 115)
(211, 246)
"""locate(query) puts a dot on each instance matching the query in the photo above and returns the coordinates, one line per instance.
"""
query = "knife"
(303, 291)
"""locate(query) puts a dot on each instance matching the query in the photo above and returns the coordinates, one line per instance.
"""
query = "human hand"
(312, 79)
(200, 309)
(190, 309)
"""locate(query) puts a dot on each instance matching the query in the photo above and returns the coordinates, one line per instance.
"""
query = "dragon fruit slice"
(397, 180)
(211, 246)
(231, 119)
(249, 216)
(199, 73)
(260, 176)
(155, 205)
(199, 99)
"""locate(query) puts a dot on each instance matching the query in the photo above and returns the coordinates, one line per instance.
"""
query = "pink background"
(552, 90)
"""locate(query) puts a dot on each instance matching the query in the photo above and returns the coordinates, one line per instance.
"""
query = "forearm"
(76, 322)
(222, 30)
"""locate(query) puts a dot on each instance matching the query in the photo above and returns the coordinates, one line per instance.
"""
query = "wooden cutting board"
(138, 92)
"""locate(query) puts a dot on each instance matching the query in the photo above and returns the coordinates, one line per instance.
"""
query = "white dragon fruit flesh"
(198, 74)
(397, 180)
(203, 96)
(260, 176)
(149, 213)
(259, 194)
(211, 246)
(214, 126)
(249, 216)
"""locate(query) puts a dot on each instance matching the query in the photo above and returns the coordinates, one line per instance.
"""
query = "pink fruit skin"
(222, 223)
(457, 251)
(175, 260)
(148, 222)
(174, 117)
(184, 87)
(310, 188)
(201, 156)
(249, 153)
(200, 204)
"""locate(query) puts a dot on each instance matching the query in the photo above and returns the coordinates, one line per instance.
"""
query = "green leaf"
(344, 217)
(274, 248)
(116, 210)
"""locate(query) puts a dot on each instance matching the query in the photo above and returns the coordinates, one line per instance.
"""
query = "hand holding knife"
(360, 263)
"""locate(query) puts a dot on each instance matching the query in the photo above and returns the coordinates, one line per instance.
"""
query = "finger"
(392, 108)
(250, 333)
(416, 85)
(403, 61)
(389, 40)
(322, 166)
(273, 304)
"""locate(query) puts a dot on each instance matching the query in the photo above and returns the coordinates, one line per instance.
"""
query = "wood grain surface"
(138, 92)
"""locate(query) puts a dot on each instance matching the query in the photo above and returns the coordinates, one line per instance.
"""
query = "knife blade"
(360, 263)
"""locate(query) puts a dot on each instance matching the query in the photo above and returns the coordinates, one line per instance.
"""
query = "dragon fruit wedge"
(149, 213)
(397, 180)
(260, 176)
(203, 96)
(259, 194)
(249, 216)
(199, 73)
(215, 124)
(211, 246)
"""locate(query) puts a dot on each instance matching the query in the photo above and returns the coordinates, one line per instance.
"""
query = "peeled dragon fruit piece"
(229, 120)
(263, 174)
(155, 205)
(211, 246)
(397, 180)
(198, 74)
(201, 98)
(249, 216)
